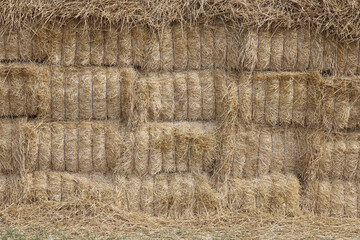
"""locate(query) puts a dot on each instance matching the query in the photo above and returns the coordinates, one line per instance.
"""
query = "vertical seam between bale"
(5, 51)
(187, 95)
(175, 148)
(271, 50)
(106, 93)
(149, 149)
(104, 45)
(272, 150)
(265, 95)
(284, 151)
(283, 49)
(358, 58)
(92, 147)
(201, 46)
(32, 46)
(92, 94)
(307, 101)
(26, 95)
(187, 49)
(279, 101)
(293, 97)
(62, 45)
(79, 117)
(252, 97)
(120, 96)
(173, 46)
(76, 46)
(65, 92)
(78, 147)
(226, 48)
(18, 44)
(297, 47)
(38, 153)
(258, 155)
(202, 97)
(9, 95)
(11, 144)
(160, 66)
(117, 47)
(51, 145)
(162, 152)
(64, 142)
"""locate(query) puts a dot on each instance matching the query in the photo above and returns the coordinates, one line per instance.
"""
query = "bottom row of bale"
(186, 194)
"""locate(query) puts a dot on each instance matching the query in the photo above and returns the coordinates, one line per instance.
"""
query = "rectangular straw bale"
(85, 94)
(26, 140)
(99, 93)
(299, 99)
(155, 97)
(67, 187)
(156, 157)
(180, 96)
(57, 146)
(265, 152)
(99, 148)
(142, 104)
(168, 148)
(194, 96)
(341, 106)
(292, 195)
(4, 95)
(252, 152)
(313, 101)
(147, 195)
(245, 93)
(97, 44)
(350, 199)
(278, 194)
(352, 59)
(182, 147)
(179, 35)
(161, 195)
(338, 157)
(324, 146)
(138, 44)
(6, 147)
(264, 50)
(113, 144)
(125, 48)
(40, 185)
(263, 193)
(341, 57)
(221, 80)
(113, 96)
(316, 51)
(234, 48)
(277, 160)
(303, 49)
(57, 94)
(220, 46)
(2, 46)
(83, 47)
(290, 57)
(329, 57)
(208, 94)
(69, 45)
(2, 188)
(277, 49)
(323, 204)
(286, 99)
(354, 99)
(141, 150)
(249, 195)
(111, 45)
(44, 147)
(291, 150)
(234, 199)
(71, 85)
(328, 93)
(182, 189)
(40, 44)
(258, 98)
(85, 147)
(206, 199)
(206, 47)
(16, 84)
(337, 201)
(272, 90)
(120, 183)
(133, 187)
(55, 38)
(152, 51)
(351, 156)
(166, 49)
(128, 77)
(11, 45)
(194, 47)
(250, 49)
(25, 44)
(167, 97)
(54, 186)
(239, 156)
(197, 145)
(224, 165)
(71, 147)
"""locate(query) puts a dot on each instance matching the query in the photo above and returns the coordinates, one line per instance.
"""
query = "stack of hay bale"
(180, 120)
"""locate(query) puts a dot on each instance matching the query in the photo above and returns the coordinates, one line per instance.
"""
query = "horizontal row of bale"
(105, 146)
(166, 194)
(248, 151)
(337, 198)
(180, 47)
(305, 99)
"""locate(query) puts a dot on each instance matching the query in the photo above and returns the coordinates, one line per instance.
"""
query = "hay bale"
(142, 99)
(341, 57)
(128, 77)
(299, 99)
(197, 144)
(98, 147)
(40, 185)
(220, 46)
(277, 50)
(206, 47)
(292, 196)
(125, 48)
(99, 93)
(234, 51)
(2, 188)
(278, 194)
(133, 194)
(168, 148)
(341, 107)
(316, 51)
(67, 187)
(258, 98)
(182, 192)
(113, 144)
(252, 152)
(303, 49)
(262, 193)
(44, 148)
(250, 49)
(180, 47)
(71, 89)
(286, 99)
(245, 98)
(40, 44)
(272, 94)
(291, 151)
(4, 96)
(329, 56)
(167, 109)
(290, 57)
(166, 50)
(54, 36)
(208, 95)
(155, 97)
(350, 199)
(354, 119)
(15, 83)
(328, 105)
(25, 44)
(182, 147)
(120, 183)
(113, 93)
(351, 156)
(69, 45)
(265, 152)
(278, 154)
(57, 99)
(324, 198)
(313, 103)
(83, 48)
(71, 147)
(57, 146)
(54, 186)
(194, 92)
(206, 200)
(338, 156)
(352, 58)
(264, 50)
(97, 44)
(239, 156)
(337, 201)
(155, 153)
(161, 195)
(142, 138)
(111, 45)
(85, 147)
(193, 47)
(126, 164)
(147, 191)
(180, 96)
(152, 58)
(85, 94)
